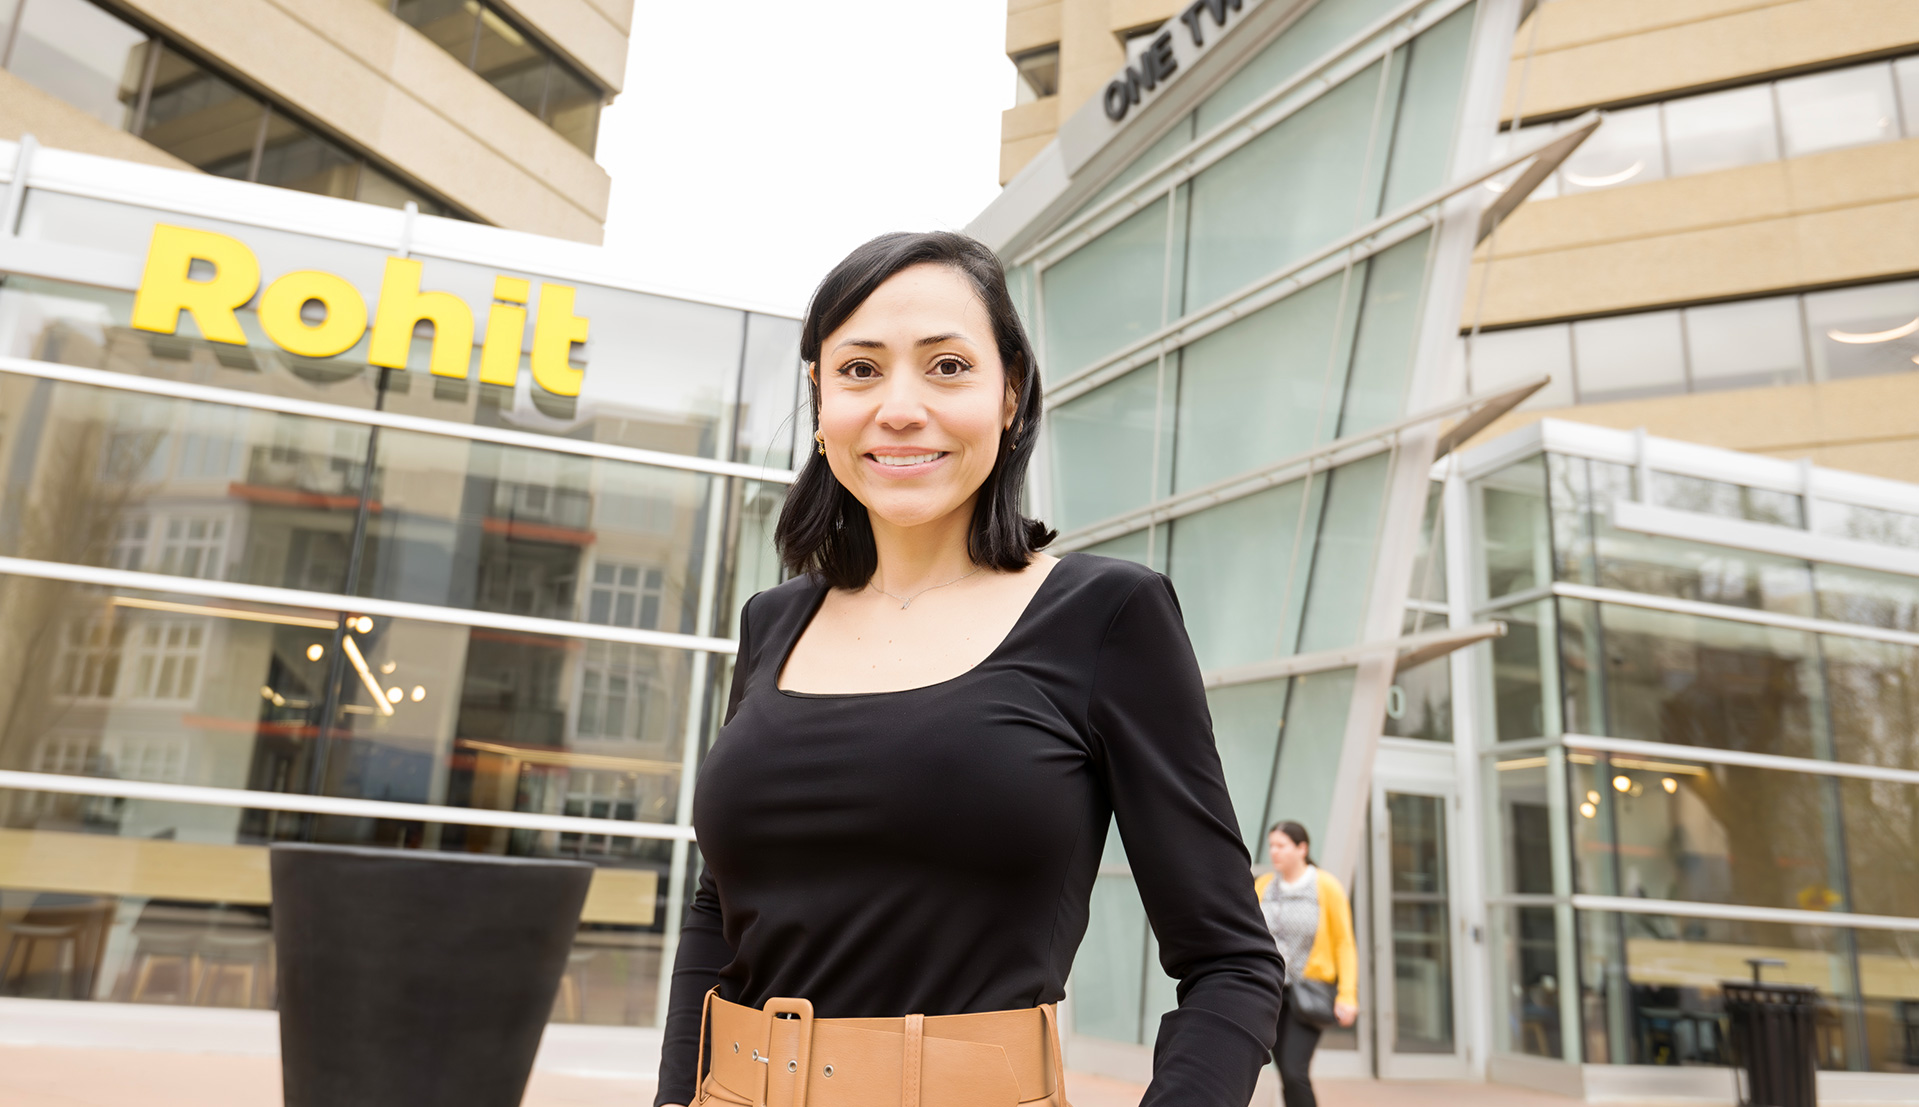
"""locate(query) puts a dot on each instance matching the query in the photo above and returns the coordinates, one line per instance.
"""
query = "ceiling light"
(389, 667)
(1620, 177)
(394, 695)
(222, 612)
(1670, 785)
(1589, 809)
(354, 655)
(315, 652)
(363, 624)
(265, 692)
(419, 692)
(1622, 783)
(1867, 338)
(1592, 797)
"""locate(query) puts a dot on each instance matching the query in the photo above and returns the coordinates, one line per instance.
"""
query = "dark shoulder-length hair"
(823, 529)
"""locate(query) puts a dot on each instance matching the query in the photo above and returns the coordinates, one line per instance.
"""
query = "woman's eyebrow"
(862, 343)
(935, 340)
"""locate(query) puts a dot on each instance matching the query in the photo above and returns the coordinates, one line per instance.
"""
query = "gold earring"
(820, 437)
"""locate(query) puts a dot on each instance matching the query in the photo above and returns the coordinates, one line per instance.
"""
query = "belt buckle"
(799, 1065)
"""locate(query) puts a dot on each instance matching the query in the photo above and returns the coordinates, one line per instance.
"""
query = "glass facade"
(489, 40)
(1696, 746)
(1203, 337)
(127, 77)
(255, 595)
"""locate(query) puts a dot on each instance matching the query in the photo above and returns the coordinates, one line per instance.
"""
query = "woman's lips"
(905, 465)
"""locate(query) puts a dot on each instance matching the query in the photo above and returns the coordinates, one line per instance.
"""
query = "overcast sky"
(758, 141)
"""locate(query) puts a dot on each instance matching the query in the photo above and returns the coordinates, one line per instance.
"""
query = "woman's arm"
(1155, 742)
(703, 953)
(1345, 949)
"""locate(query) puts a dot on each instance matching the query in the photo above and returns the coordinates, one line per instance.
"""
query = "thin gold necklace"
(907, 601)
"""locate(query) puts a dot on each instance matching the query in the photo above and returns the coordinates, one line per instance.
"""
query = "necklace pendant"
(907, 604)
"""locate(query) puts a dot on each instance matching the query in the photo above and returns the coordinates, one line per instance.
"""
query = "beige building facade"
(478, 111)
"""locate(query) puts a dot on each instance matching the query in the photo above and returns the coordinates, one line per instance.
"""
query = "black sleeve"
(1155, 740)
(703, 951)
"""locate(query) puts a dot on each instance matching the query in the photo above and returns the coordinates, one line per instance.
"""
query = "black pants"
(1293, 1053)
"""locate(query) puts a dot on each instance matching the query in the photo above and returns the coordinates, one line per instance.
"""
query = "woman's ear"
(813, 373)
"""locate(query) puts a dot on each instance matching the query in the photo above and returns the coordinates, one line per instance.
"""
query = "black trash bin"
(1775, 1039)
(417, 979)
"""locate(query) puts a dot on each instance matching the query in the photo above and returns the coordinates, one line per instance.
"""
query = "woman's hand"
(1345, 1013)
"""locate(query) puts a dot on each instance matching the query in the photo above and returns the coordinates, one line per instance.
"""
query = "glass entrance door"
(1414, 928)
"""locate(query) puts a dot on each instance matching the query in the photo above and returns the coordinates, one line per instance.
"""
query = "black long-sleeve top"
(933, 850)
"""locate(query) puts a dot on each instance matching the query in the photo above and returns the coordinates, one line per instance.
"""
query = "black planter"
(417, 979)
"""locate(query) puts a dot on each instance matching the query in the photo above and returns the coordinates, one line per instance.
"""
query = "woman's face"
(1284, 852)
(913, 397)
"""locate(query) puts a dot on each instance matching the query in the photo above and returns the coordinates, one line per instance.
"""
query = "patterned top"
(1292, 917)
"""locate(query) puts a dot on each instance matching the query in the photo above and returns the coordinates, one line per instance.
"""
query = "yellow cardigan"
(1335, 956)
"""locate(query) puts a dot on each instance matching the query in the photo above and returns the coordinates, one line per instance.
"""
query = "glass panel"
(1874, 688)
(1513, 526)
(470, 524)
(1239, 568)
(1709, 682)
(1164, 147)
(1429, 560)
(1525, 825)
(83, 55)
(1246, 721)
(1727, 500)
(1889, 998)
(771, 387)
(1135, 547)
(1419, 704)
(379, 188)
(573, 106)
(1869, 524)
(1725, 834)
(1310, 743)
(98, 477)
(1655, 984)
(1754, 344)
(1906, 75)
(1498, 360)
(1521, 671)
(1626, 149)
(1105, 449)
(1277, 370)
(1721, 130)
(1570, 486)
(1323, 27)
(183, 690)
(1846, 107)
(1108, 970)
(1428, 107)
(170, 903)
(1293, 189)
(1868, 598)
(1422, 925)
(1388, 329)
(510, 63)
(296, 158)
(1864, 331)
(1343, 557)
(201, 119)
(1106, 294)
(1595, 868)
(1531, 1006)
(1882, 844)
(1628, 357)
(451, 24)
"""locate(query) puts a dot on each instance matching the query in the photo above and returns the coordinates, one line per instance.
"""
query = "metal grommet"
(736, 1047)
(827, 1071)
(792, 1066)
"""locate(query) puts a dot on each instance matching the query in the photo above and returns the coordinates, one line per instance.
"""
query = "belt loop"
(803, 1059)
(699, 1059)
(910, 1063)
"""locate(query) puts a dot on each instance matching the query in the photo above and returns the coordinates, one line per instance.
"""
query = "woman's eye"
(859, 371)
(949, 367)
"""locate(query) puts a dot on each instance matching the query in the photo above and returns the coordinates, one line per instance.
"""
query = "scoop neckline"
(819, 598)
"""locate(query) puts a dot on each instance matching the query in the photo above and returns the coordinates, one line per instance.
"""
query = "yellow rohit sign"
(168, 287)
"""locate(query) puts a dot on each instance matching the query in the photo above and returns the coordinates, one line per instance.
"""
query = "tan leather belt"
(781, 1056)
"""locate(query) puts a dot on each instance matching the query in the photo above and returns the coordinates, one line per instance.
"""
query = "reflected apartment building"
(1589, 709)
(431, 542)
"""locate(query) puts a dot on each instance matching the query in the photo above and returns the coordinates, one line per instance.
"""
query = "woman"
(928, 731)
(1312, 924)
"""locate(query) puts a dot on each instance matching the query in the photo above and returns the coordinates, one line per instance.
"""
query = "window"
(129, 544)
(1627, 148)
(617, 685)
(1504, 359)
(1829, 111)
(1628, 357)
(1038, 74)
(90, 656)
(194, 547)
(489, 42)
(1864, 331)
(125, 77)
(1746, 345)
(1721, 130)
(166, 658)
(625, 596)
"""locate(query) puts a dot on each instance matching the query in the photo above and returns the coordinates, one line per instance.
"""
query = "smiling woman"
(929, 732)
